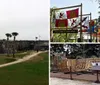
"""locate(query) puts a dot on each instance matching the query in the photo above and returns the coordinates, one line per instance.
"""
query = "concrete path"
(59, 81)
(22, 60)
(82, 77)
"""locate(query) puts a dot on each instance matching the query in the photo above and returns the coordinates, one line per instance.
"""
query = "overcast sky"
(88, 5)
(29, 18)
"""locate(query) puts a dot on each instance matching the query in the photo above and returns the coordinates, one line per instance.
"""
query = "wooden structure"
(53, 10)
(76, 64)
(70, 30)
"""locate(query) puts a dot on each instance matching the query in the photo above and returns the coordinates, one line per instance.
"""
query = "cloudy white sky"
(29, 18)
(88, 5)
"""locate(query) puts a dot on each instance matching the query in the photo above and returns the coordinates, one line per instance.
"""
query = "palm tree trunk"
(7, 47)
(14, 48)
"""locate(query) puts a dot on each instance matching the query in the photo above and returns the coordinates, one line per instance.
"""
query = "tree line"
(74, 51)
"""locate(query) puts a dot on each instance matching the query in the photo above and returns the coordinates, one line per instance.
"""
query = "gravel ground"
(58, 81)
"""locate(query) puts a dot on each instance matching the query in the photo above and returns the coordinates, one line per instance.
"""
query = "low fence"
(76, 64)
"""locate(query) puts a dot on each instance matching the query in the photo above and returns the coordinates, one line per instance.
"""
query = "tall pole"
(51, 31)
(36, 44)
(96, 30)
(90, 28)
(81, 37)
(50, 24)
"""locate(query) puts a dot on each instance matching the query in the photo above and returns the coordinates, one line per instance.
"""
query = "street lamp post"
(36, 43)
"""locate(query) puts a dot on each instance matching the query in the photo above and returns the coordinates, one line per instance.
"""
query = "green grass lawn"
(22, 54)
(5, 59)
(32, 72)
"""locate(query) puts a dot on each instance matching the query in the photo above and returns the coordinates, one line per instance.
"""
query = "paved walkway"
(22, 60)
(83, 77)
(59, 81)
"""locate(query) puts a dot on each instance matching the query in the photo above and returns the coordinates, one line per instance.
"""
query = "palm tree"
(8, 35)
(14, 34)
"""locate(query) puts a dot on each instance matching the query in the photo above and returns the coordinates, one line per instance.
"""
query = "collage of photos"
(74, 42)
(50, 42)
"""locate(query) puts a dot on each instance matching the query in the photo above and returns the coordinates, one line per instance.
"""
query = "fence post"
(71, 73)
